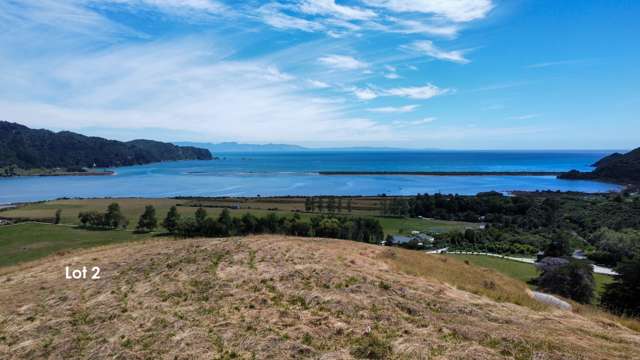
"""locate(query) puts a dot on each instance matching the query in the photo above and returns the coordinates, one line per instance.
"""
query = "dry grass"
(464, 276)
(271, 297)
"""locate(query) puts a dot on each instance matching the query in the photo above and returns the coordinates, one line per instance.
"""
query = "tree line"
(360, 229)
(330, 204)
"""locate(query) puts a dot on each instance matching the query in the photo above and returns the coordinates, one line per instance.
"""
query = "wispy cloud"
(343, 62)
(428, 48)
(409, 123)
(454, 10)
(365, 93)
(556, 63)
(394, 109)
(329, 7)
(272, 15)
(410, 26)
(317, 84)
(418, 92)
(210, 6)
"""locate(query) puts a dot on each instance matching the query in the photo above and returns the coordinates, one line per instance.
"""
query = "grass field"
(132, 208)
(519, 270)
(30, 241)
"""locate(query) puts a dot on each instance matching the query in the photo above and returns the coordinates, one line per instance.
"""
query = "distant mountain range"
(27, 148)
(227, 147)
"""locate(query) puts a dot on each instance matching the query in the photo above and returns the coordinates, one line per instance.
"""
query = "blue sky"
(454, 74)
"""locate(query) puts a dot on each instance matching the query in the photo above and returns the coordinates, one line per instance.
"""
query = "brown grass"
(271, 297)
(463, 276)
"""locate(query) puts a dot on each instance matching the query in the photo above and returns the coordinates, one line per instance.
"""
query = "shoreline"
(442, 173)
(72, 173)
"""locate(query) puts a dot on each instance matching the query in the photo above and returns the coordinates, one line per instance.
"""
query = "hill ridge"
(281, 297)
(28, 148)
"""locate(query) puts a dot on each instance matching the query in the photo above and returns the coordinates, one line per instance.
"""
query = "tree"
(623, 295)
(320, 205)
(201, 216)
(249, 224)
(58, 216)
(560, 246)
(339, 205)
(331, 205)
(569, 278)
(226, 221)
(307, 204)
(349, 205)
(148, 221)
(172, 220)
(384, 207)
(92, 219)
(114, 218)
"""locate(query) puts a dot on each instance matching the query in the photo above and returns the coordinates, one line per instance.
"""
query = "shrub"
(573, 279)
(371, 346)
(623, 295)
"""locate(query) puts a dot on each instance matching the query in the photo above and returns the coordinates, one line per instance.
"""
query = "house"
(399, 239)
(579, 254)
(425, 238)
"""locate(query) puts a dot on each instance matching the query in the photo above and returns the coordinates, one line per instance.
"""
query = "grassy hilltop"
(279, 297)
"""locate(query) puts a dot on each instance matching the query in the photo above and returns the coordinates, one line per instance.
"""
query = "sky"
(450, 74)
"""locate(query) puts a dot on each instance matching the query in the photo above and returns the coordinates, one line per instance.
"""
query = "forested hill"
(620, 168)
(28, 148)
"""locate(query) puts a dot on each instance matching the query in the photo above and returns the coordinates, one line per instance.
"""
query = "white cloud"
(454, 10)
(272, 15)
(182, 84)
(211, 6)
(316, 84)
(392, 109)
(428, 48)
(409, 26)
(555, 63)
(364, 94)
(391, 72)
(343, 62)
(274, 74)
(419, 92)
(414, 122)
(329, 7)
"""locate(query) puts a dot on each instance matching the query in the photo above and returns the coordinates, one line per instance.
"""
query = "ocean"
(296, 173)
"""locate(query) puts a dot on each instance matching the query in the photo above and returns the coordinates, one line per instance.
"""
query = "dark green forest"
(606, 226)
(618, 168)
(27, 148)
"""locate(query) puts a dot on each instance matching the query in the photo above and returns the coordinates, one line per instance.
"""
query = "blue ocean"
(296, 173)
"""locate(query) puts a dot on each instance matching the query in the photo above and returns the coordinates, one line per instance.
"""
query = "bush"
(371, 346)
(572, 279)
(112, 219)
(623, 295)
(148, 221)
